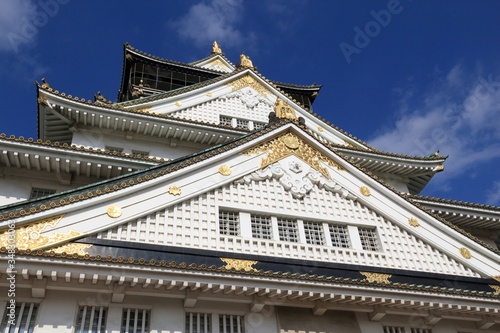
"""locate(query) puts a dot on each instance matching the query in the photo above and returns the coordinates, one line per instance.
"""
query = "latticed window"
(37, 192)
(135, 321)
(229, 223)
(143, 153)
(261, 227)
(369, 239)
(258, 126)
(25, 319)
(225, 120)
(114, 149)
(339, 236)
(91, 319)
(314, 233)
(287, 229)
(198, 323)
(421, 330)
(231, 324)
(394, 329)
(242, 123)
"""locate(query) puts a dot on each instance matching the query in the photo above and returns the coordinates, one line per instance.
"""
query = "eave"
(73, 112)
(463, 214)
(188, 279)
(68, 159)
(418, 171)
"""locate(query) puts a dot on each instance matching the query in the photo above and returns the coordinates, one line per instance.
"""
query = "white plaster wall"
(57, 312)
(157, 147)
(194, 224)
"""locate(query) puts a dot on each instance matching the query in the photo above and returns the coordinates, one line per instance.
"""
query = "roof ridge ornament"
(283, 110)
(245, 61)
(216, 48)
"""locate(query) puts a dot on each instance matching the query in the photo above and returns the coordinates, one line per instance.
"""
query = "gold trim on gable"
(290, 144)
(72, 248)
(239, 264)
(496, 288)
(249, 81)
(30, 236)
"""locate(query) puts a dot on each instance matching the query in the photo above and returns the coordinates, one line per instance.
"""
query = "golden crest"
(465, 253)
(178, 103)
(413, 222)
(377, 277)
(209, 94)
(174, 190)
(225, 170)
(239, 264)
(291, 142)
(320, 128)
(365, 191)
(114, 211)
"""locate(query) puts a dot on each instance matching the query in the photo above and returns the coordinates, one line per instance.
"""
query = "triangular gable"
(217, 63)
(243, 95)
(245, 164)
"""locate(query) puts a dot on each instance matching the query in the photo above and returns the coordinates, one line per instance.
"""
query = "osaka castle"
(209, 198)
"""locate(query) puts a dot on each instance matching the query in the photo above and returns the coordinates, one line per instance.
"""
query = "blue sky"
(405, 76)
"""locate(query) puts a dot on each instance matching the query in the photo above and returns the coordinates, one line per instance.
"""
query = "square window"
(229, 223)
(198, 323)
(369, 239)
(258, 126)
(25, 319)
(135, 321)
(261, 227)
(288, 231)
(140, 152)
(339, 236)
(114, 149)
(225, 120)
(231, 324)
(91, 319)
(242, 123)
(394, 329)
(37, 192)
(314, 233)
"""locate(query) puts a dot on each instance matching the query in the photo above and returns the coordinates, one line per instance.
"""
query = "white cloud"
(494, 196)
(215, 20)
(459, 116)
(15, 24)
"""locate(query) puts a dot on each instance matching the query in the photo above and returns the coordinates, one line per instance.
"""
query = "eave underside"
(193, 275)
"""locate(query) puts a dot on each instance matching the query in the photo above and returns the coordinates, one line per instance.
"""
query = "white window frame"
(131, 316)
(87, 315)
(26, 313)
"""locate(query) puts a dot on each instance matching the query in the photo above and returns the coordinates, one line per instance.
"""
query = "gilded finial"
(245, 61)
(100, 98)
(45, 83)
(283, 110)
(216, 48)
